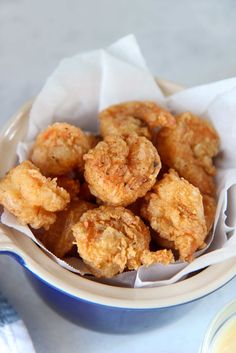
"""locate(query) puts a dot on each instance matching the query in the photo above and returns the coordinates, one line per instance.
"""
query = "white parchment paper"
(86, 83)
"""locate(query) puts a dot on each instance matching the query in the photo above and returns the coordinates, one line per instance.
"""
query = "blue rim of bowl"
(19, 259)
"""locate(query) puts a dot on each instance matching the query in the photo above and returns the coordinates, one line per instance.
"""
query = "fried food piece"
(209, 204)
(59, 238)
(109, 239)
(189, 149)
(175, 210)
(134, 117)
(120, 170)
(59, 149)
(164, 257)
(32, 197)
(72, 186)
(123, 125)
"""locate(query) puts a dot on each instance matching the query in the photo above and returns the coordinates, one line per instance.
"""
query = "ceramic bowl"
(94, 305)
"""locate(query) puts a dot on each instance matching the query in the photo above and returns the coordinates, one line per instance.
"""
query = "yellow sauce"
(225, 341)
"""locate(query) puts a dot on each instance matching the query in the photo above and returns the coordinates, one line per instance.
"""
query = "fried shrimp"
(32, 197)
(209, 204)
(189, 149)
(59, 238)
(111, 239)
(120, 170)
(175, 210)
(134, 118)
(59, 149)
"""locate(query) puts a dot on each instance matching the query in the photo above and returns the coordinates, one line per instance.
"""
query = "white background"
(189, 42)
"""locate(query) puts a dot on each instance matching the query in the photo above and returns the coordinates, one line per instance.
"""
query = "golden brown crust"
(164, 257)
(209, 204)
(123, 126)
(59, 149)
(59, 238)
(174, 209)
(134, 118)
(189, 149)
(120, 170)
(31, 197)
(111, 239)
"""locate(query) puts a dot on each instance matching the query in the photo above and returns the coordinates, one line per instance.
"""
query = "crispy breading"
(175, 210)
(59, 149)
(59, 238)
(120, 170)
(164, 257)
(123, 125)
(209, 204)
(134, 118)
(32, 197)
(189, 149)
(111, 239)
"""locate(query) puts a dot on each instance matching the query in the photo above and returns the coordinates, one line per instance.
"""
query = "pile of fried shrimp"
(140, 192)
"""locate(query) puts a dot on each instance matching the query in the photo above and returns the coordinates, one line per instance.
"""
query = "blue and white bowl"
(94, 305)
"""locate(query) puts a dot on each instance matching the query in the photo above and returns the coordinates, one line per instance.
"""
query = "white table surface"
(190, 42)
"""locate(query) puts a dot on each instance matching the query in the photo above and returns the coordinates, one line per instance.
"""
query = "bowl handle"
(8, 247)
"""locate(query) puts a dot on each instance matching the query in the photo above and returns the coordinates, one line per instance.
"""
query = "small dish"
(221, 332)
